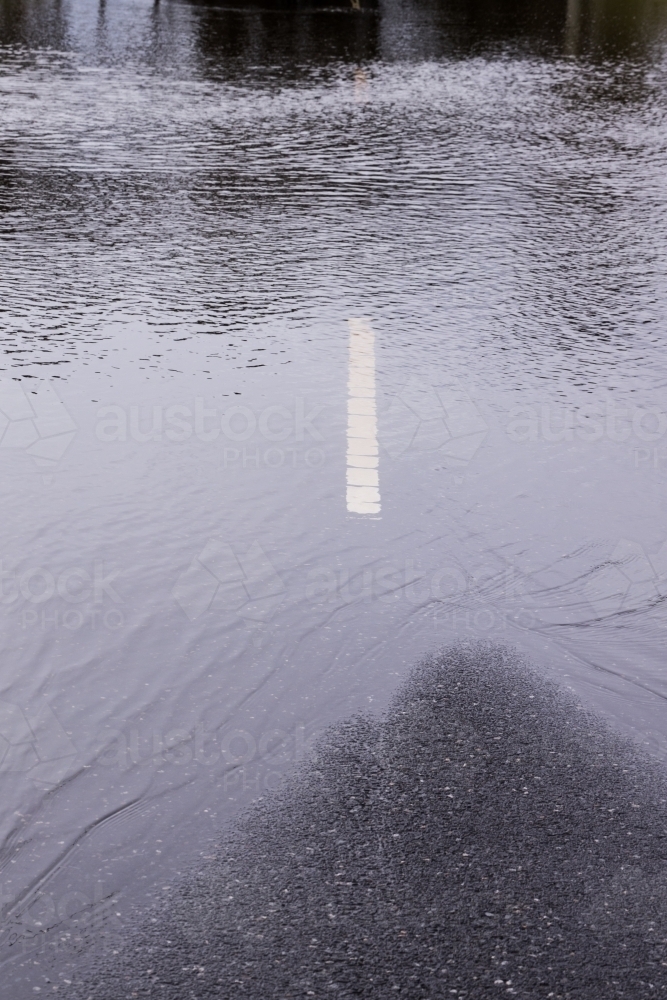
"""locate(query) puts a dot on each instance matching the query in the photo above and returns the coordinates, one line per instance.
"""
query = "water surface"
(200, 205)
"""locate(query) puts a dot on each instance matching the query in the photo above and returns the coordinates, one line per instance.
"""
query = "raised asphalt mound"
(485, 838)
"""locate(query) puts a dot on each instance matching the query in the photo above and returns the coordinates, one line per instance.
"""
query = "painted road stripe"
(363, 484)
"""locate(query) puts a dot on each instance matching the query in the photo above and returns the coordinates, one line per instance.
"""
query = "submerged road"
(331, 339)
(485, 838)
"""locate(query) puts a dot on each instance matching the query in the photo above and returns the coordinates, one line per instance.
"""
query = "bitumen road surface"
(486, 837)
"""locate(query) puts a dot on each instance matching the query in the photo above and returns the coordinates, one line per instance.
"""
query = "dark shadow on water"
(289, 38)
(314, 31)
(36, 23)
(288, 33)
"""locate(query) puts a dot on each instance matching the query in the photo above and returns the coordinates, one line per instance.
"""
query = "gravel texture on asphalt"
(486, 837)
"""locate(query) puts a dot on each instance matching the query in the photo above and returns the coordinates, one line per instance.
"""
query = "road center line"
(363, 484)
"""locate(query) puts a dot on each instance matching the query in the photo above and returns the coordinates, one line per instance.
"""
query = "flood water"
(330, 337)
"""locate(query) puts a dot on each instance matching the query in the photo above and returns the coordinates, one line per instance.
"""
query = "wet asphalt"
(486, 837)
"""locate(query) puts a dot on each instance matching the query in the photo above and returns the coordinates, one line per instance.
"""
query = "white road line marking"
(363, 484)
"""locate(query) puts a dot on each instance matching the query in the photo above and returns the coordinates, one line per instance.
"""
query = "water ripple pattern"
(330, 336)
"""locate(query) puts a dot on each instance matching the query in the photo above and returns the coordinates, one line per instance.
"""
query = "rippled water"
(201, 209)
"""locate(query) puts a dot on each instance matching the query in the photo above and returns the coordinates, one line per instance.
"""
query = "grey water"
(331, 337)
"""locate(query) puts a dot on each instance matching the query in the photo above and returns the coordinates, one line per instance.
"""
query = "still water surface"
(330, 337)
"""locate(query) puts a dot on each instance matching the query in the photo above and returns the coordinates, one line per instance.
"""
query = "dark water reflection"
(429, 29)
(195, 201)
(289, 32)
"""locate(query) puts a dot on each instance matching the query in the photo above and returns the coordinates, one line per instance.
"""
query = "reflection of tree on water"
(294, 33)
(312, 31)
(613, 27)
(33, 22)
(289, 35)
